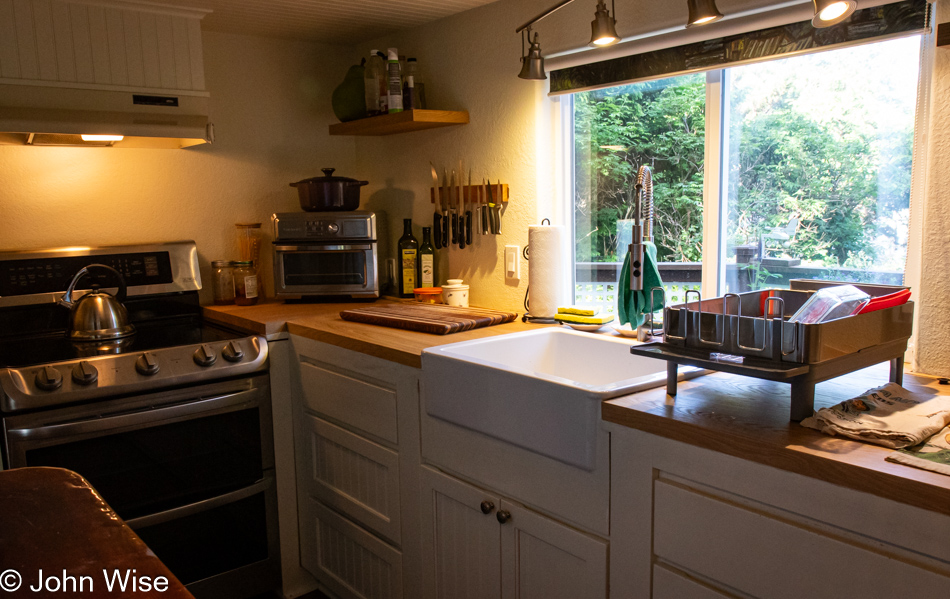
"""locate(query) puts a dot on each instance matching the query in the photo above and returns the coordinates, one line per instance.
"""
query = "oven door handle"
(323, 248)
(201, 506)
(147, 416)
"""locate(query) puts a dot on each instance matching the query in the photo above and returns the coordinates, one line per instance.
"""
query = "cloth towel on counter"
(890, 416)
(933, 454)
(632, 306)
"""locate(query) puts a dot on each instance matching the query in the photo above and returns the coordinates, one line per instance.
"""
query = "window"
(797, 168)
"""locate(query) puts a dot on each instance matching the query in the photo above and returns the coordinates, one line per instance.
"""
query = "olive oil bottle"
(426, 259)
(408, 258)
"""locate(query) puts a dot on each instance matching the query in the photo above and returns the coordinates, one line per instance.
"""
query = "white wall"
(270, 104)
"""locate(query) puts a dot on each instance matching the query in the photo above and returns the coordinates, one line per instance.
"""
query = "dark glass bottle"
(426, 259)
(408, 257)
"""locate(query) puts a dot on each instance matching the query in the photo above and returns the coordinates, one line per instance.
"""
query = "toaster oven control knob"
(333, 228)
(85, 373)
(49, 379)
(205, 356)
(147, 364)
(232, 352)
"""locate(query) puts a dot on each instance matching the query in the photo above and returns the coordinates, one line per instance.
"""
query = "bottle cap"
(393, 54)
(373, 52)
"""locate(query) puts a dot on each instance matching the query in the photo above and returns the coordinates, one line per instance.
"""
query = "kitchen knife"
(437, 217)
(468, 213)
(498, 209)
(483, 201)
(454, 210)
(461, 210)
(445, 208)
(493, 227)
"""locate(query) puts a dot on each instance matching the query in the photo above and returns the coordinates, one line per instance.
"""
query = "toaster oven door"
(326, 269)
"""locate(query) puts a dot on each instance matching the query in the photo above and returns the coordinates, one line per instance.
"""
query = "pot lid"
(329, 177)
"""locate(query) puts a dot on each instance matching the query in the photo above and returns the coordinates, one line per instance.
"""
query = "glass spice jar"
(222, 281)
(245, 283)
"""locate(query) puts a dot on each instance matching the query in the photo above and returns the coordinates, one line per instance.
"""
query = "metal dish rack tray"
(748, 334)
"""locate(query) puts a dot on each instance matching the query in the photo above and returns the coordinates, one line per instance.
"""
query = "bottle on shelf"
(426, 259)
(383, 84)
(413, 89)
(395, 83)
(408, 258)
(372, 81)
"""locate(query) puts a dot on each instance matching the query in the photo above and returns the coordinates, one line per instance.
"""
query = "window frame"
(715, 174)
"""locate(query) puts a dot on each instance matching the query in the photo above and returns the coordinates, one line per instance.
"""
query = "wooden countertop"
(56, 522)
(748, 418)
(739, 416)
(322, 322)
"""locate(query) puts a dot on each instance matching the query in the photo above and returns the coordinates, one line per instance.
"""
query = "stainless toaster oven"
(325, 254)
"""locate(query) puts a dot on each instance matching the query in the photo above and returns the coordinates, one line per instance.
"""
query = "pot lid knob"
(328, 171)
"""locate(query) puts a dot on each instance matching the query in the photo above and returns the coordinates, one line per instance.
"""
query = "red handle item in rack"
(886, 301)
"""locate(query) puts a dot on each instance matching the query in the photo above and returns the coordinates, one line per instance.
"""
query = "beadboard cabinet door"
(479, 545)
(461, 539)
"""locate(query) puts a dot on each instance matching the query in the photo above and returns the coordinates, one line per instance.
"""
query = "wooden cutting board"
(437, 319)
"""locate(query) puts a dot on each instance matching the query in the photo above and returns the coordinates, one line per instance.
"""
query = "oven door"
(190, 470)
(325, 269)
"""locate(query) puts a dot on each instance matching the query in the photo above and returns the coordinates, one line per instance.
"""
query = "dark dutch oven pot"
(329, 193)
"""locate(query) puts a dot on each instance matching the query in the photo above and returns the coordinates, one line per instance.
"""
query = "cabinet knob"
(503, 516)
(487, 507)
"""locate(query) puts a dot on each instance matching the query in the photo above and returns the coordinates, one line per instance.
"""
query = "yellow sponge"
(578, 319)
(577, 310)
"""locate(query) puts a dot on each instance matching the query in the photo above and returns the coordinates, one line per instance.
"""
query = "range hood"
(121, 73)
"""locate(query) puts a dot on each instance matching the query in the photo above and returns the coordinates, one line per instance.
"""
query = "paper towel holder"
(527, 316)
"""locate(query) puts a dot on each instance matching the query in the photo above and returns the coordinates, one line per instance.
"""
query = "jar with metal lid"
(245, 283)
(222, 281)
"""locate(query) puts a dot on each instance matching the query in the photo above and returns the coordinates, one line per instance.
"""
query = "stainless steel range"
(171, 422)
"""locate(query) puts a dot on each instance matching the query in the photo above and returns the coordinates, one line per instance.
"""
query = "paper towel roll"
(545, 269)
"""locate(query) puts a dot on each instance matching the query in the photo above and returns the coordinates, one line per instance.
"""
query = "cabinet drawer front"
(349, 560)
(771, 558)
(360, 404)
(351, 474)
(668, 584)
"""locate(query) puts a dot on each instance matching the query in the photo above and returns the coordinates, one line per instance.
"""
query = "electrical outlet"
(512, 262)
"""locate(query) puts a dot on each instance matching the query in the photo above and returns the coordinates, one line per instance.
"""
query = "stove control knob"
(49, 379)
(232, 352)
(205, 356)
(147, 364)
(85, 373)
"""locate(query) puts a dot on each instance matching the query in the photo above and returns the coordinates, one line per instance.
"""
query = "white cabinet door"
(543, 559)
(461, 542)
(668, 584)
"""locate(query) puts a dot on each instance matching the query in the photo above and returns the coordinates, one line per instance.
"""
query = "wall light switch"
(512, 262)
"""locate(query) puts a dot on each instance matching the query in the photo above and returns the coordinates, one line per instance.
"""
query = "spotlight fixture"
(832, 12)
(603, 31)
(702, 12)
(533, 64)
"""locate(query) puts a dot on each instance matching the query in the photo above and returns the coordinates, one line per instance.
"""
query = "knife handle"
(455, 228)
(461, 231)
(437, 231)
(445, 228)
(468, 227)
(484, 209)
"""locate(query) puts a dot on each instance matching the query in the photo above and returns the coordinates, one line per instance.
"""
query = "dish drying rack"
(748, 334)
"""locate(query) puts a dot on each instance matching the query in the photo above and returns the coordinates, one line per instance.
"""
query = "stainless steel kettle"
(97, 315)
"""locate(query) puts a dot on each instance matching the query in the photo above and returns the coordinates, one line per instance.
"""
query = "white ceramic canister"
(455, 293)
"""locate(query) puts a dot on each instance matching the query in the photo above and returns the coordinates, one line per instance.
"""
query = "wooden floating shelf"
(401, 122)
(470, 193)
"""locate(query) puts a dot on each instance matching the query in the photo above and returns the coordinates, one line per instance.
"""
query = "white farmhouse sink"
(540, 390)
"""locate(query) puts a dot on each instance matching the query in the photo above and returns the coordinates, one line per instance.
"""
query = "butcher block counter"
(322, 322)
(739, 416)
(748, 418)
